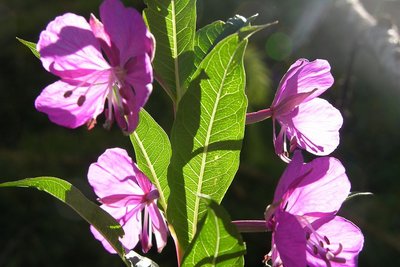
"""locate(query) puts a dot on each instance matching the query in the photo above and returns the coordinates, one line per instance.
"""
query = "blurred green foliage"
(38, 231)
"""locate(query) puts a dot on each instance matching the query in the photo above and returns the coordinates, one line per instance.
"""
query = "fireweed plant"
(178, 180)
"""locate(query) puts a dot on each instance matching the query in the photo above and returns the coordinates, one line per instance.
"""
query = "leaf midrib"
(175, 52)
(205, 150)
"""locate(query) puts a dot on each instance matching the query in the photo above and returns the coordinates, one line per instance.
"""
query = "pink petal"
(135, 103)
(113, 174)
(131, 227)
(139, 71)
(136, 91)
(339, 230)
(69, 49)
(64, 110)
(143, 181)
(160, 229)
(291, 173)
(290, 240)
(98, 30)
(122, 200)
(315, 125)
(322, 186)
(103, 241)
(126, 29)
(303, 77)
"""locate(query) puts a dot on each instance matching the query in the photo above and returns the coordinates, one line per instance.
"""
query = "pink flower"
(309, 122)
(74, 50)
(126, 193)
(306, 230)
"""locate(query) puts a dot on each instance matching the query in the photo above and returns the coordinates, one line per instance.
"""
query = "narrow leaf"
(70, 195)
(205, 40)
(207, 136)
(210, 35)
(31, 46)
(217, 241)
(358, 194)
(173, 24)
(153, 153)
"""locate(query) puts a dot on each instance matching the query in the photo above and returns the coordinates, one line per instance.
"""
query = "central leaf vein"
(175, 51)
(206, 144)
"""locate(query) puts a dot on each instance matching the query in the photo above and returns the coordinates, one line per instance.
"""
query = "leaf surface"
(153, 153)
(31, 46)
(207, 136)
(217, 241)
(173, 24)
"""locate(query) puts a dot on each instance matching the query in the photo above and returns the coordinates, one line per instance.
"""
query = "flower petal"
(114, 174)
(290, 240)
(128, 118)
(321, 186)
(303, 77)
(126, 29)
(160, 229)
(69, 49)
(139, 80)
(131, 227)
(339, 230)
(63, 109)
(315, 126)
(291, 173)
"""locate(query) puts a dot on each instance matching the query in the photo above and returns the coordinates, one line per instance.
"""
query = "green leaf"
(153, 153)
(217, 241)
(173, 24)
(207, 136)
(70, 195)
(31, 46)
(208, 36)
(358, 194)
(205, 40)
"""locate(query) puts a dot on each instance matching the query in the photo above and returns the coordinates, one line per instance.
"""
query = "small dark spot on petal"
(327, 240)
(81, 100)
(315, 250)
(67, 93)
(308, 235)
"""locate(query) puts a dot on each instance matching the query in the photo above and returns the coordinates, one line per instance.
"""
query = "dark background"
(37, 230)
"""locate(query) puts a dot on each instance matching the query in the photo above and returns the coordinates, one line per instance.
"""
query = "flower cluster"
(306, 230)
(302, 217)
(109, 60)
